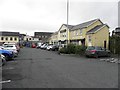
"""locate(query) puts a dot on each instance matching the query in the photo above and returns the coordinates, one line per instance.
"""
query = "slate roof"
(5, 33)
(83, 25)
(80, 26)
(93, 30)
(69, 26)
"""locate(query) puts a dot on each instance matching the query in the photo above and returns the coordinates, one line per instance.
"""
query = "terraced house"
(9, 37)
(90, 33)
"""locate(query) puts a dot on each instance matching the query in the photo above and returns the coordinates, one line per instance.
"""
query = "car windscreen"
(91, 48)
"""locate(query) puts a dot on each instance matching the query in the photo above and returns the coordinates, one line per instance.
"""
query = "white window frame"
(89, 38)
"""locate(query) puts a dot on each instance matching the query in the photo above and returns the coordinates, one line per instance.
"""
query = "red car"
(33, 45)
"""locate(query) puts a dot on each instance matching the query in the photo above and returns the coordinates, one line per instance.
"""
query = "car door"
(103, 53)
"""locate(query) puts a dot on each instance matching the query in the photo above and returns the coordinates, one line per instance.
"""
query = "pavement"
(36, 68)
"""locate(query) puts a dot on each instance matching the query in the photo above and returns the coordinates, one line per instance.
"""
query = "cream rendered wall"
(63, 27)
(99, 37)
(13, 41)
(75, 34)
(54, 38)
(85, 30)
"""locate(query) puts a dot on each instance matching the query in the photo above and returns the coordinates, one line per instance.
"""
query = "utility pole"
(67, 22)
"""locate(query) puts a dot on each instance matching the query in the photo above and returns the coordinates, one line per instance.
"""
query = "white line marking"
(5, 81)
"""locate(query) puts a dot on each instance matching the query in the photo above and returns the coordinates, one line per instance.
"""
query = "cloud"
(49, 15)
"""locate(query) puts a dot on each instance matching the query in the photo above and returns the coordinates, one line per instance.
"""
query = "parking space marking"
(5, 81)
(9, 68)
(111, 60)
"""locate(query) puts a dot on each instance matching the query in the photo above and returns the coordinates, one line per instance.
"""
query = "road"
(35, 68)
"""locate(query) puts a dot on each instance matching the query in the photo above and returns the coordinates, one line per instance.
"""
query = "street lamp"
(67, 22)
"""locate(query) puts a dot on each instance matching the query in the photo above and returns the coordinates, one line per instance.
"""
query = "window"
(76, 33)
(6, 38)
(89, 38)
(98, 48)
(11, 38)
(2, 38)
(15, 39)
(29, 38)
(80, 31)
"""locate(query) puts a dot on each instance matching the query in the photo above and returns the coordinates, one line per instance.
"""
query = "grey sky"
(28, 16)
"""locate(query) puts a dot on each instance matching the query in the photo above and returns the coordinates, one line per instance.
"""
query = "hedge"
(73, 49)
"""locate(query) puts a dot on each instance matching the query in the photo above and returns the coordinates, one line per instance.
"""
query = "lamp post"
(67, 22)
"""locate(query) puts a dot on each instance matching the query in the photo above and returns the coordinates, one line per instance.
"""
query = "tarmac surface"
(36, 68)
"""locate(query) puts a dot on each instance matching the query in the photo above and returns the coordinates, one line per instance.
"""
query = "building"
(54, 38)
(43, 36)
(116, 32)
(6, 37)
(91, 33)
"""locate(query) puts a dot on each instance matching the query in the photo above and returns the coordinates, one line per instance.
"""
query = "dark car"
(96, 51)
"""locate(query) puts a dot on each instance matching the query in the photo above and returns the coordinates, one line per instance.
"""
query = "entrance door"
(104, 44)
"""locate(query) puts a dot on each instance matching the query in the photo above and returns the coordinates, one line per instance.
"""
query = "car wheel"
(3, 61)
(96, 55)
(87, 56)
(108, 55)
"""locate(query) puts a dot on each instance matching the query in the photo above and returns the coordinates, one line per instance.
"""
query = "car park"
(96, 51)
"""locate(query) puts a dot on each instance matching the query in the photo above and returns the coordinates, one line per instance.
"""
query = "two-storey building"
(90, 33)
(11, 37)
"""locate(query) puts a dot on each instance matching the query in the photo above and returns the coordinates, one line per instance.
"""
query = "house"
(6, 37)
(90, 33)
(43, 36)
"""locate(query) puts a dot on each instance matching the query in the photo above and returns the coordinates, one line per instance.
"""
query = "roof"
(83, 25)
(93, 30)
(42, 33)
(5, 33)
(69, 26)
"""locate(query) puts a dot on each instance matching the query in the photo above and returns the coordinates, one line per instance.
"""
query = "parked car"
(14, 44)
(49, 47)
(33, 45)
(2, 60)
(96, 51)
(38, 45)
(44, 46)
(55, 48)
(8, 54)
(12, 48)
